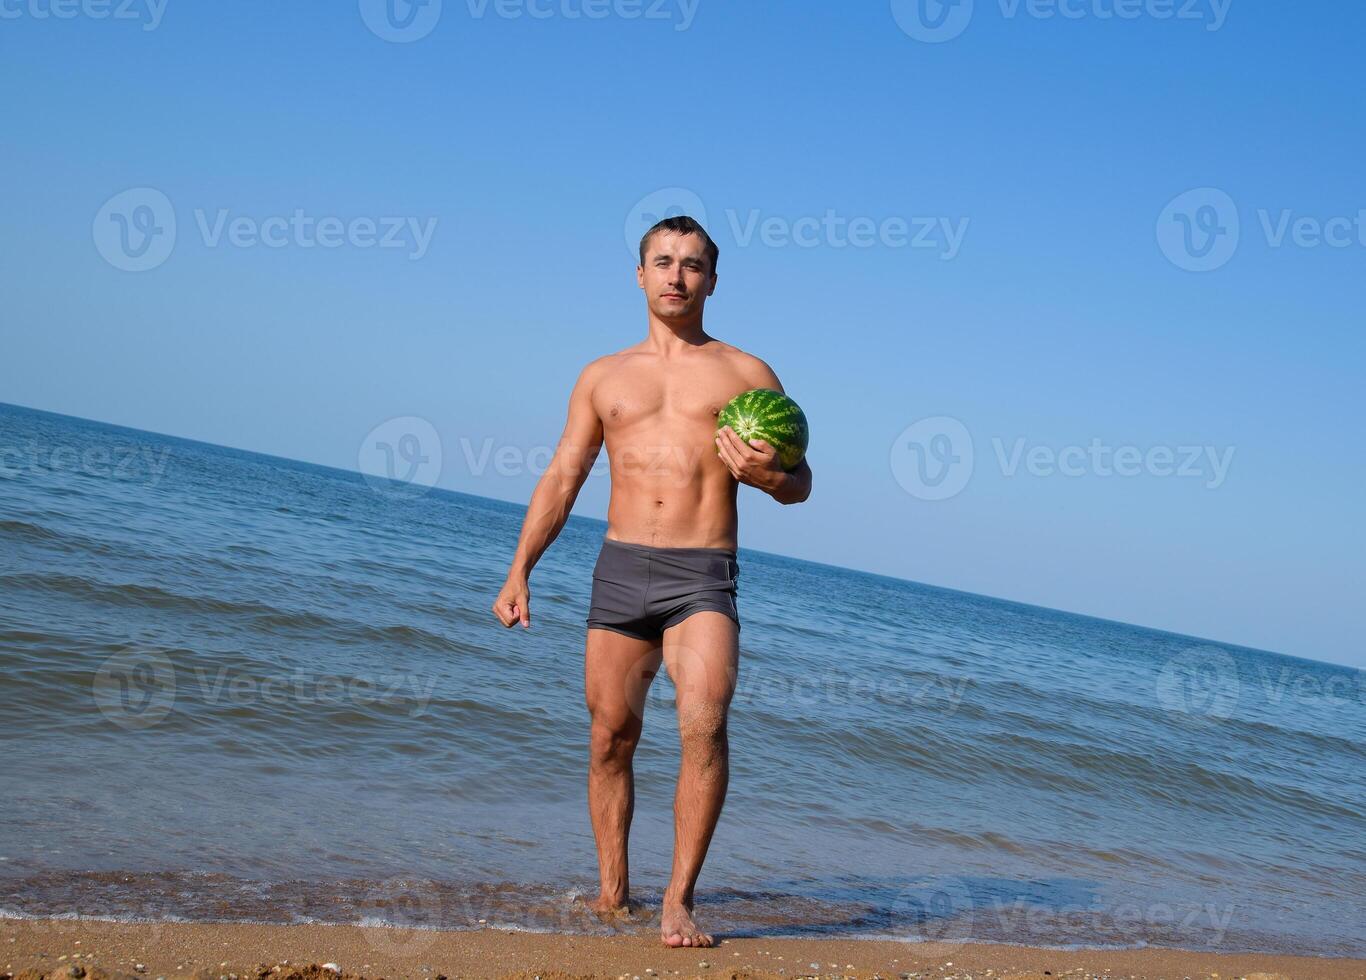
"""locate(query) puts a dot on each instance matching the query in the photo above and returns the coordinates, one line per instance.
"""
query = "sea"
(235, 687)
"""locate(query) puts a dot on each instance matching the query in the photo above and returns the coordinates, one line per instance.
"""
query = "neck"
(669, 334)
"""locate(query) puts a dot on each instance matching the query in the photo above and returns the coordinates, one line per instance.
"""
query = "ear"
(640, 276)
(713, 284)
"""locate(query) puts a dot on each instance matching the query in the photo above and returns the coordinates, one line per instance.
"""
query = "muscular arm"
(790, 487)
(553, 498)
(793, 486)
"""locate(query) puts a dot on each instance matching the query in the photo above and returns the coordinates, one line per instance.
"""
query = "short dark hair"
(682, 225)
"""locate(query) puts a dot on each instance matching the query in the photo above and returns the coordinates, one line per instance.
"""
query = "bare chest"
(631, 400)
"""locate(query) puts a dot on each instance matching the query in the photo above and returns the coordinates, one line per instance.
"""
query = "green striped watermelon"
(763, 413)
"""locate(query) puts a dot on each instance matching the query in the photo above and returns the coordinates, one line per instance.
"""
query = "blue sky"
(966, 257)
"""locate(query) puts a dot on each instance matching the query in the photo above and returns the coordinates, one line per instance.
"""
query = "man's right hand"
(513, 604)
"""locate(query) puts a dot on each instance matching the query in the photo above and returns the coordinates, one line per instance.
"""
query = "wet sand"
(95, 950)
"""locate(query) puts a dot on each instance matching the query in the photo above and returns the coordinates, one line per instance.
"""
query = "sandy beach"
(102, 950)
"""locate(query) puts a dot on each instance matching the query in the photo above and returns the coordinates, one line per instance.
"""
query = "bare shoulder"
(596, 369)
(754, 370)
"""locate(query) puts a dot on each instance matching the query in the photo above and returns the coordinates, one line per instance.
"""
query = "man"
(665, 581)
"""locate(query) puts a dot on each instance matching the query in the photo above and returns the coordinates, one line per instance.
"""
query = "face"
(676, 276)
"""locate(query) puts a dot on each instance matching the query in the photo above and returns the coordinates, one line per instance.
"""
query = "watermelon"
(763, 413)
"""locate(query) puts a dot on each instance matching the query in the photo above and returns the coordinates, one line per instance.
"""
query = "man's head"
(677, 268)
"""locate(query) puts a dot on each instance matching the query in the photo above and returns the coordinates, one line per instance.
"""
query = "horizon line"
(843, 568)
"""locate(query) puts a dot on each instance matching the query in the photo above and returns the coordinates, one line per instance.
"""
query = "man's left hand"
(755, 462)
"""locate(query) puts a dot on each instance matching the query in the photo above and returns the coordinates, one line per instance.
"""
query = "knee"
(702, 728)
(612, 744)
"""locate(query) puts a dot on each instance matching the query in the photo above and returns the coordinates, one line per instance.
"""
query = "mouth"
(678, 296)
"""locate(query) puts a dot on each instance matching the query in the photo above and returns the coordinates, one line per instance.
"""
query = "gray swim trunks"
(641, 591)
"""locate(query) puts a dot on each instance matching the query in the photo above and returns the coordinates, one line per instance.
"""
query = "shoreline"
(97, 949)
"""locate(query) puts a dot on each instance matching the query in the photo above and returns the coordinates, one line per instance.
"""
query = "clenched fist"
(513, 604)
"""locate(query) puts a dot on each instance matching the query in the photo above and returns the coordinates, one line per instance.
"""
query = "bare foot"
(678, 929)
(608, 907)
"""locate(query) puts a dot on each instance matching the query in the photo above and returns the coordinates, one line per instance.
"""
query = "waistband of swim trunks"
(650, 549)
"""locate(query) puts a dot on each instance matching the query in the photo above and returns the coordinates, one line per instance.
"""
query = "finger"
(727, 455)
(761, 446)
(524, 604)
(742, 449)
(502, 616)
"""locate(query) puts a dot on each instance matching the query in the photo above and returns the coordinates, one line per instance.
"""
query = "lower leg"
(611, 804)
(702, 781)
(702, 654)
(617, 674)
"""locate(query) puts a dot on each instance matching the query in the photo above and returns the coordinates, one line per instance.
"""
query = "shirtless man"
(665, 581)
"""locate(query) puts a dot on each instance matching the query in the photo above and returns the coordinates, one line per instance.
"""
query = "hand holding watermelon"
(769, 417)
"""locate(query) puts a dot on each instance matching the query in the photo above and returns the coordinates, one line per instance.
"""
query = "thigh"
(617, 673)
(702, 654)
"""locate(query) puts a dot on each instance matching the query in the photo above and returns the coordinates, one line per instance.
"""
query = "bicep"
(582, 436)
